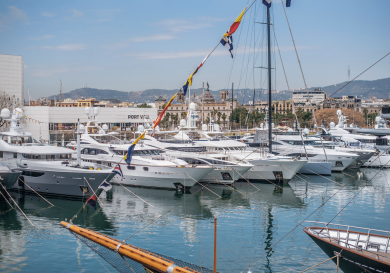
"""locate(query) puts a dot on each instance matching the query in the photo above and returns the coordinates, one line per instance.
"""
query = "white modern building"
(43, 121)
(12, 76)
(313, 96)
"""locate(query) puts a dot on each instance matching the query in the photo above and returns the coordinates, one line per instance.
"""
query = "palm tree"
(219, 114)
(224, 118)
(183, 115)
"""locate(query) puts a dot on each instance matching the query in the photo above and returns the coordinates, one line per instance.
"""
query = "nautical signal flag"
(118, 170)
(288, 3)
(129, 154)
(105, 186)
(92, 201)
(235, 25)
(228, 43)
(267, 3)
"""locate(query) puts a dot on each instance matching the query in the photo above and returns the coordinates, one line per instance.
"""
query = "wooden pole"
(215, 245)
(338, 263)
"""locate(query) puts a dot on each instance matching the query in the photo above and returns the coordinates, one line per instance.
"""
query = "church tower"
(180, 97)
(223, 95)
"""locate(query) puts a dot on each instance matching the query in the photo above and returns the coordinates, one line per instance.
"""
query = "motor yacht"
(149, 167)
(47, 170)
(225, 172)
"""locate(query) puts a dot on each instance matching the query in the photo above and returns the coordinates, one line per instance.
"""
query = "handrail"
(345, 226)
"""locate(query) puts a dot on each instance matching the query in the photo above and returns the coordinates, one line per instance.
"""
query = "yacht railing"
(354, 240)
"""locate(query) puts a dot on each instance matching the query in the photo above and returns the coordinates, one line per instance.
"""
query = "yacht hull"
(169, 178)
(61, 184)
(265, 170)
(9, 179)
(378, 161)
(317, 168)
(225, 176)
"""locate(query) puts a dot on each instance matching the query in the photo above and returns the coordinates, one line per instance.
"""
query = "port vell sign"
(138, 116)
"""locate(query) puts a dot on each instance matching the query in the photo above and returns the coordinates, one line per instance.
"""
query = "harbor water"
(251, 219)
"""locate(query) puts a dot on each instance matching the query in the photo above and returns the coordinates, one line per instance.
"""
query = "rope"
(203, 185)
(247, 180)
(266, 179)
(93, 254)
(100, 202)
(159, 217)
(299, 177)
(225, 184)
(17, 205)
(6, 199)
(323, 204)
(319, 263)
(135, 194)
(325, 177)
(36, 192)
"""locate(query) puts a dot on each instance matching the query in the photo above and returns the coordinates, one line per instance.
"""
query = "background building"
(12, 76)
(316, 96)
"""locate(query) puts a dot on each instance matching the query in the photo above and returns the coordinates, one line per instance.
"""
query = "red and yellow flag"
(235, 25)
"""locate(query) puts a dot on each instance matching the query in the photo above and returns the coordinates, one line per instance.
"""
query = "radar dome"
(96, 110)
(339, 112)
(377, 119)
(315, 125)
(290, 130)
(305, 131)
(182, 122)
(87, 110)
(204, 127)
(216, 127)
(141, 128)
(105, 127)
(18, 113)
(82, 128)
(192, 106)
(5, 113)
(332, 124)
(157, 128)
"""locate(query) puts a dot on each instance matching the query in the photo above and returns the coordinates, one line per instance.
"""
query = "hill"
(366, 89)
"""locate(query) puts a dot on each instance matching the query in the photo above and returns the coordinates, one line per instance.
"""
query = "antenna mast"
(60, 92)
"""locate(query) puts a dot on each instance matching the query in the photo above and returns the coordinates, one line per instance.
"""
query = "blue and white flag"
(267, 3)
(105, 186)
(228, 43)
(118, 170)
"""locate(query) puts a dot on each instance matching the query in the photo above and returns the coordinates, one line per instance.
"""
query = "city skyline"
(137, 46)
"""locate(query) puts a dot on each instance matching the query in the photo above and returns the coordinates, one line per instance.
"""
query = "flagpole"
(269, 83)
(202, 101)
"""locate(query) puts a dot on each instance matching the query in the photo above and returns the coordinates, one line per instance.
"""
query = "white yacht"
(47, 170)
(266, 167)
(225, 172)
(292, 145)
(149, 167)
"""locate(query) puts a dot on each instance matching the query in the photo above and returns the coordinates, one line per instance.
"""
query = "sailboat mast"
(269, 82)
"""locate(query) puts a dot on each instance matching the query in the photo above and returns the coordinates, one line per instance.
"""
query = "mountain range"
(364, 89)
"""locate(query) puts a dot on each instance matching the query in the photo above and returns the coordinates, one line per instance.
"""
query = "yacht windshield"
(107, 139)
(19, 140)
(218, 162)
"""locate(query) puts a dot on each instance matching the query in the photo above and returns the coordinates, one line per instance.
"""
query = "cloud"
(75, 14)
(48, 71)
(68, 47)
(44, 37)
(17, 13)
(47, 14)
(158, 37)
(12, 15)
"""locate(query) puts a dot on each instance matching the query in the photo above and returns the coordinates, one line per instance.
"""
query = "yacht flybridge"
(266, 167)
(149, 167)
(47, 169)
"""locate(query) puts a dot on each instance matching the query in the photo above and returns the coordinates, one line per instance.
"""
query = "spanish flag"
(235, 25)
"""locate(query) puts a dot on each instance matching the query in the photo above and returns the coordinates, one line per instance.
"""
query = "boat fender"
(171, 268)
(21, 164)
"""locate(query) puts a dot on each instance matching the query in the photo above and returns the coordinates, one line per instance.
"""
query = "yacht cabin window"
(90, 151)
(107, 139)
(48, 157)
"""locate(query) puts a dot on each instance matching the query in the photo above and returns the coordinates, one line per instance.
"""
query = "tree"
(143, 105)
(224, 118)
(7, 102)
(183, 115)
(219, 114)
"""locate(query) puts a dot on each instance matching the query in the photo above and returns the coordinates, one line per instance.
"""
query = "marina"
(249, 223)
(178, 180)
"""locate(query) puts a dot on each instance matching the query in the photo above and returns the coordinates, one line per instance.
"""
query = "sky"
(139, 45)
